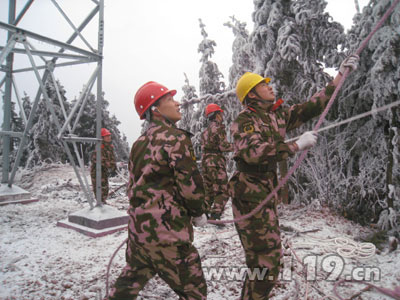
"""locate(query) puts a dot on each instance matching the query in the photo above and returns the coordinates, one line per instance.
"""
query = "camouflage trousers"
(216, 188)
(179, 266)
(104, 185)
(260, 238)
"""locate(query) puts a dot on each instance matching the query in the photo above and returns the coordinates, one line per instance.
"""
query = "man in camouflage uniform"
(166, 195)
(258, 134)
(108, 165)
(213, 164)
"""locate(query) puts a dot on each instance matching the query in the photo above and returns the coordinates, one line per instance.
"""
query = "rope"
(325, 297)
(307, 286)
(297, 163)
(360, 116)
(345, 247)
(109, 264)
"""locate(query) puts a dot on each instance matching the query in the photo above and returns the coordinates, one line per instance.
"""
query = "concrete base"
(96, 222)
(14, 195)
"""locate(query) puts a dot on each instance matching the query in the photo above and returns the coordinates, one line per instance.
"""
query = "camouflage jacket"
(165, 187)
(259, 132)
(214, 143)
(107, 158)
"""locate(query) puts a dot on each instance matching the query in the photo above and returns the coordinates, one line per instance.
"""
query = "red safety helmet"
(148, 94)
(212, 108)
(105, 132)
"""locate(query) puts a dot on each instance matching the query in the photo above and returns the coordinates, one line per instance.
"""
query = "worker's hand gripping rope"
(307, 140)
(350, 62)
(200, 221)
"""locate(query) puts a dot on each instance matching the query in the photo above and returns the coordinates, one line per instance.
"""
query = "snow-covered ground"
(39, 260)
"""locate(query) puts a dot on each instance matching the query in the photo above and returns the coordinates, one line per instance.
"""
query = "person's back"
(165, 186)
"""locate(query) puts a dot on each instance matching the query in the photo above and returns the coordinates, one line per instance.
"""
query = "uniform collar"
(265, 106)
(163, 122)
(260, 106)
(166, 123)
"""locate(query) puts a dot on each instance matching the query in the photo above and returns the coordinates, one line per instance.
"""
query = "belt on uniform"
(212, 151)
(247, 168)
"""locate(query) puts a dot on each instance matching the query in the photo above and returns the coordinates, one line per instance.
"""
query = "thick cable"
(110, 262)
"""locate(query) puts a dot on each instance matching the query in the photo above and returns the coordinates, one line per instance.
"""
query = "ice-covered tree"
(44, 142)
(189, 92)
(355, 167)
(375, 84)
(210, 76)
(357, 5)
(291, 41)
(210, 84)
(242, 61)
(27, 107)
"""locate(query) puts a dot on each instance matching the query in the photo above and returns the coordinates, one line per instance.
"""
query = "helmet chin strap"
(164, 116)
(258, 97)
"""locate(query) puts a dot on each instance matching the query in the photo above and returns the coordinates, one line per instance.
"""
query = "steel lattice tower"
(45, 55)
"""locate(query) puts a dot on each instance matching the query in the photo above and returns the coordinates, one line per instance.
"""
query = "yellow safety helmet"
(247, 82)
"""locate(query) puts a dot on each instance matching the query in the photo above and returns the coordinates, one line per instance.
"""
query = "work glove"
(200, 221)
(307, 140)
(349, 62)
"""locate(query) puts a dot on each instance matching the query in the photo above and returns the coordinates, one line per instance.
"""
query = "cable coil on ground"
(343, 246)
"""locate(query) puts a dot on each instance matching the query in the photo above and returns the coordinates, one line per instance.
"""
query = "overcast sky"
(145, 40)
